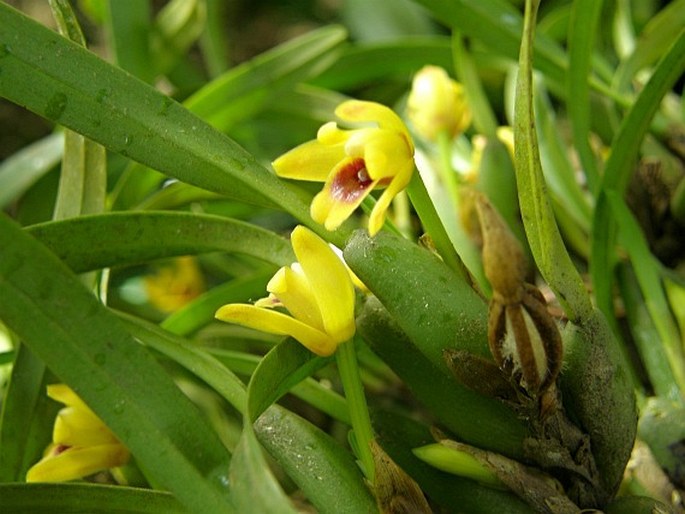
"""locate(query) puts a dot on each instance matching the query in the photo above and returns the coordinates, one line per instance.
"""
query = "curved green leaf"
(399, 434)
(327, 473)
(499, 24)
(246, 89)
(201, 364)
(286, 365)
(654, 40)
(199, 312)
(365, 62)
(24, 168)
(131, 118)
(585, 15)
(476, 419)
(94, 242)
(27, 416)
(544, 238)
(91, 498)
(253, 486)
(86, 347)
(619, 167)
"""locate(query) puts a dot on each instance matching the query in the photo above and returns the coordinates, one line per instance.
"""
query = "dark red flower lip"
(351, 181)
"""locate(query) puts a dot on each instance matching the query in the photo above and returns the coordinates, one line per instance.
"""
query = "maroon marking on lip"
(351, 182)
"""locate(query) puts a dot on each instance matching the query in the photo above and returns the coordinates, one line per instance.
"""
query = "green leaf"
(91, 498)
(399, 434)
(129, 27)
(240, 94)
(654, 41)
(644, 333)
(27, 416)
(315, 393)
(177, 26)
(246, 89)
(83, 178)
(499, 25)
(199, 312)
(327, 474)
(21, 170)
(253, 486)
(361, 63)
(131, 118)
(87, 348)
(94, 242)
(620, 165)
(286, 365)
(67, 23)
(585, 16)
(473, 418)
(546, 243)
(185, 353)
(372, 20)
(648, 272)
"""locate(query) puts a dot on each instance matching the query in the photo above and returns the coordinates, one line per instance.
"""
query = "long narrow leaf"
(545, 241)
(94, 242)
(26, 417)
(91, 498)
(583, 26)
(130, 117)
(619, 166)
(24, 168)
(87, 348)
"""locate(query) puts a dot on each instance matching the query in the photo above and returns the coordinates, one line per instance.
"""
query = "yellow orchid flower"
(437, 103)
(353, 162)
(175, 284)
(81, 443)
(316, 290)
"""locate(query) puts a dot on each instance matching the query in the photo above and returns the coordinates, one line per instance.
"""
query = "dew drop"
(102, 95)
(119, 407)
(56, 106)
(165, 105)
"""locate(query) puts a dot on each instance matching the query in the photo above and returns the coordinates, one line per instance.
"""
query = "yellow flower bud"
(437, 103)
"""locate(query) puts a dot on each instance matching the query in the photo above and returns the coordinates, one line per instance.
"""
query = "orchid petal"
(329, 280)
(360, 110)
(275, 322)
(330, 134)
(291, 287)
(385, 154)
(64, 394)
(309, 161)
(81, 427)
(77, 462)
(343, 192)
(401, 180)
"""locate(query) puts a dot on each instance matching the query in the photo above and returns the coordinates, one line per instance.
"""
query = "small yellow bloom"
(437, 103)
(175, 284)
(81, 443)
(316, 290)
(353, 162)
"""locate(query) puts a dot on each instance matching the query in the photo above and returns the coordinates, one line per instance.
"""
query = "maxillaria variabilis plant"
(429, 259)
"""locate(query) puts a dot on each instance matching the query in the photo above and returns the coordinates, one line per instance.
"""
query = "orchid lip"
(351, 181)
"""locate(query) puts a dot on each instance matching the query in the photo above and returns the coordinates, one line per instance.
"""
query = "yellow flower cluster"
(353, 162)
(81, 443)
(317, 291)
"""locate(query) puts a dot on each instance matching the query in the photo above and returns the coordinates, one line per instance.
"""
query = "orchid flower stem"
(420, 199)
(346, 357)
(447, 174)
